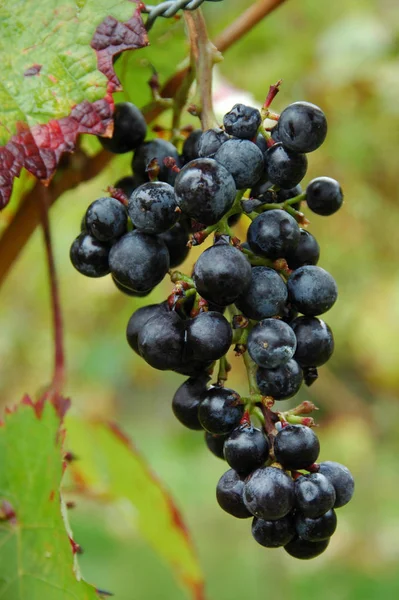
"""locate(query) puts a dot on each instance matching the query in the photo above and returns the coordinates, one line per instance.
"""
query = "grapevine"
(263, 295)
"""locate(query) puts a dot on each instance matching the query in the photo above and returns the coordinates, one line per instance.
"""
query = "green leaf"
(111, 468)
(36, 558)
(58, 77)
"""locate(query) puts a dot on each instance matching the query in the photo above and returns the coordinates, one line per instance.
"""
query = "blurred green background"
(343, 56)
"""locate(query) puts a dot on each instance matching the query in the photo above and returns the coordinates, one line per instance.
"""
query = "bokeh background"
(343, 56)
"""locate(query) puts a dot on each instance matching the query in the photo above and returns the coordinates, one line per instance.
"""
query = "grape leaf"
(37, 558)
(58, 78)
(110, 467)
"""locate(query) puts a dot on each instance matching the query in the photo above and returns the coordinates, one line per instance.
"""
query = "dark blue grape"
(246, 449)
(273, 234)
(284, 167)
(265, 297)
(221, 274)
(242, 121)
(209, 336)
(307, 251)
(215, 443)
(302, 127)
(220, 410)
(192, 368)
(210, 142)
(152, 207)
(312, 290)
(187, 400)
(342, 480)
(161, 341)
(324, 196)
(271, 343)
(243, 160)
(191, 145)
(176, 240)
(138, 319)
(130, 129)
(281, 383)
(205, 190)
(139, 261)
(299, 548)
(296, 447)
(314, 530)
(314, 495)
(269, 493)
(315, 342)
(106, 219)
(89, 256)
(229, 495)
(273, 534)
(260, 141)
(158, 150)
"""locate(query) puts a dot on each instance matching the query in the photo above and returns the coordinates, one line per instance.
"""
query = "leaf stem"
(59, 355)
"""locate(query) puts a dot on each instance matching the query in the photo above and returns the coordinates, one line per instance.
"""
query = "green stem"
(251, 368)
(224, 368)
(176, 276)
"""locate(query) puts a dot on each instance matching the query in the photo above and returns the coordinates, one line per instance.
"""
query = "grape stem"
(224, 368)
(203, 55)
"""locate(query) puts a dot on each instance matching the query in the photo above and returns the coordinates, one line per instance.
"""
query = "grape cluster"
(270, 286)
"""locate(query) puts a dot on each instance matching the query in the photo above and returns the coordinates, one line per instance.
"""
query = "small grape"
(210, 142)
(138, 319)
(269, 493)
(89, 256)
(215, 443)
(161, 341)
(209, 336)
(324, 196)
(229, 495)
(314, 495)
(280, 383)
(205, 190)
(271, 343)
(152, 207)
(130, 129)
(191, 145)
(307, 251)
(158, 150)
(315, 342)
(242, 121)
(246, 449)
(284, 167)
(312, 290)
(299, 548)
(266, 295)
(296, 447)
(342, 480)
(314, 530)
(302, 127)
(106, 219)
(273, 234)
(273, 534)
(187, 400)
(243, 160)
(220, 410)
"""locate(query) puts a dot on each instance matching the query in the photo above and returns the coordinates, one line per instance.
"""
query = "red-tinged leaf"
(110, 467)
(37, 561)
(58, 79)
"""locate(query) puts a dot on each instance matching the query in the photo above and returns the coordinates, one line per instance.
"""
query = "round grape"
(271, 343)
(130, 129)
(296, 447)
(243, 160)
(246, 449)
(280, 383)
(220, 410)
(209, 336)
(315, 342)
(242, 121)
(342, 480)
(312, 290)
(302, 127)
(221, 274)
(139, 261)
(273, 534)
(299, 548)
(284, 167)
(229, 495)
(273, 234)
(314, 530)
(266, 295)
(152, 207)
(324, 196)
(314, 495)
(269, 493)
(106, 219)
(158, 150)
(205, 190)
(210, 142)
(161, 341)
(89, 256)
(187, 400)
